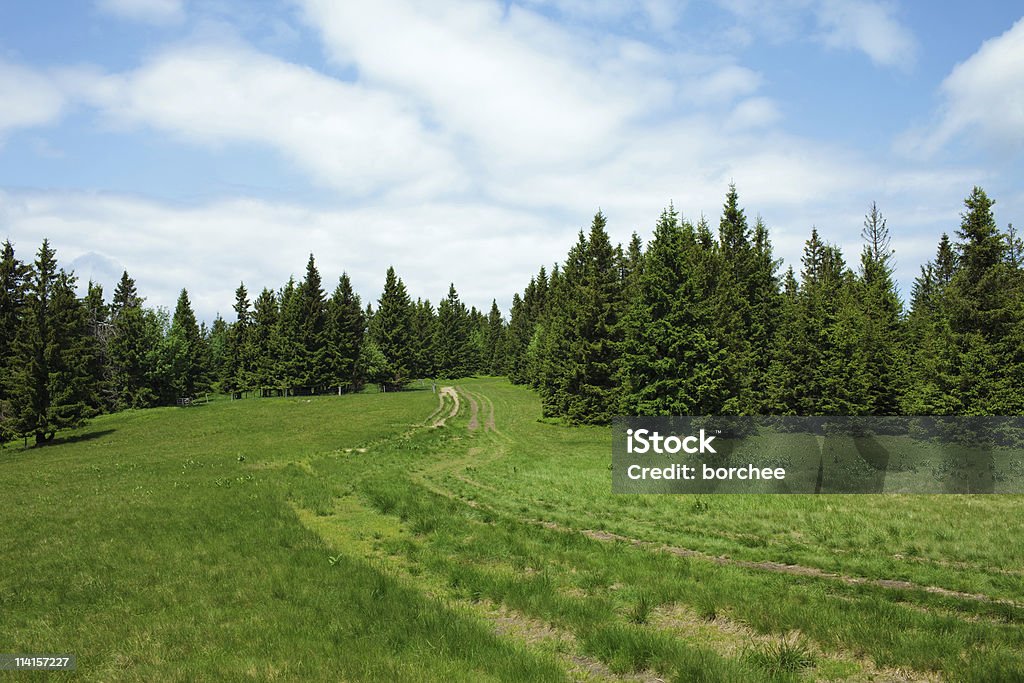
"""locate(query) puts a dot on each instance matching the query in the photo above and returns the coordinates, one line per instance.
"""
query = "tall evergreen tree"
(455, 354)
(132, 350)
(263, 340)
(881, 334)
(313, 355)
(13, 275)
(734, 293)
(672, 357)
(426, 333)
(186, 352)
(346, 326)
(983, 314)
(239, 352)
(495, 344)
(392, 332)
(49, 387)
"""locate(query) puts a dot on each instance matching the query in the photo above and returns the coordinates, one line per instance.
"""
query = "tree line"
(694, 322)
(703, 323)
(65, 358)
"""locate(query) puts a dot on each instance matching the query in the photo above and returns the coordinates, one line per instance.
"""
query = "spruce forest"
(692, 322)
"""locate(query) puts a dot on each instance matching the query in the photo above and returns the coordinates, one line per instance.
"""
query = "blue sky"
(201, 144)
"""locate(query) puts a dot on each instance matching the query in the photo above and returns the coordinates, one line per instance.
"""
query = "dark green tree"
(346, 327)
(13, 275)
(263, 341)
(881, 333)
(672, 357)
(49, 387)
(454, 343)
(392, 331)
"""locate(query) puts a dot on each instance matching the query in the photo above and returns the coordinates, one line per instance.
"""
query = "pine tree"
(99, 328)
(426, 333)
(594, 330)
(881, 337)
(392, 330)
(49, 387)
(263, 340)
(312, 353)
(287, 339)
(672, 358)
(13, 275)
(983, 313)
(495, 344)
(239, 351)
(346, 327)
(734, 293)
(186, 352)
(455, 355)
(218, 350)
(135, 339)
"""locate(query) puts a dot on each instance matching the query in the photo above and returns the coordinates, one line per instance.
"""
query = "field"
(457, 536)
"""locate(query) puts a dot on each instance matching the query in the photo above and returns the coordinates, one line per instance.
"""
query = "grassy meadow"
(365, 537)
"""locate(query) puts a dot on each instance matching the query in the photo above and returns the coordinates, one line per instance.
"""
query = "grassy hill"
(360, 538)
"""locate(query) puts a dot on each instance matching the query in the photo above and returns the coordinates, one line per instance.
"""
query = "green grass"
(338, 538)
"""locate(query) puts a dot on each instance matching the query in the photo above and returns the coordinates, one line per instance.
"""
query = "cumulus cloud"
(346, 136)
(30, 98)
(146, 11)
(985, 95)
(210, 248)
(870, 27)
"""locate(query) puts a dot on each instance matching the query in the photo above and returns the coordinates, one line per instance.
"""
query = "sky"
(205, 143)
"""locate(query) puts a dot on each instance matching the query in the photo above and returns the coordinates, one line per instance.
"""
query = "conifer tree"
(218, 353)
(426, 333)
(672, 358)
(346, 328)
(881, 334)
(495, 343)
(734, 293)
(132, 349)
(454, 341)
(983, 313)
(13, 274)
(594, 331)
(98, 326)
(392, 331)
(287, 339)
(313, 362)
(239, 370)
(264, 341)
(186, 353)
(49, 387)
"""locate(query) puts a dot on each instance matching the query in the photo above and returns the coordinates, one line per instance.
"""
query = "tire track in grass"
(779, 567)
(474, 409)
(438, 416)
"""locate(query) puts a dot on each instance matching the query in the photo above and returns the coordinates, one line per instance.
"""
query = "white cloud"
(211, 248)
(514, 87)
(346, 136)
(146, 11)
(869, 27)
(755, 112)
(30, 98)
(985, 94)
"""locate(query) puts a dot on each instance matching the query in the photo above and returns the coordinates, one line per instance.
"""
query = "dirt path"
(481, 408)
(438, 416)
(474, 411)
